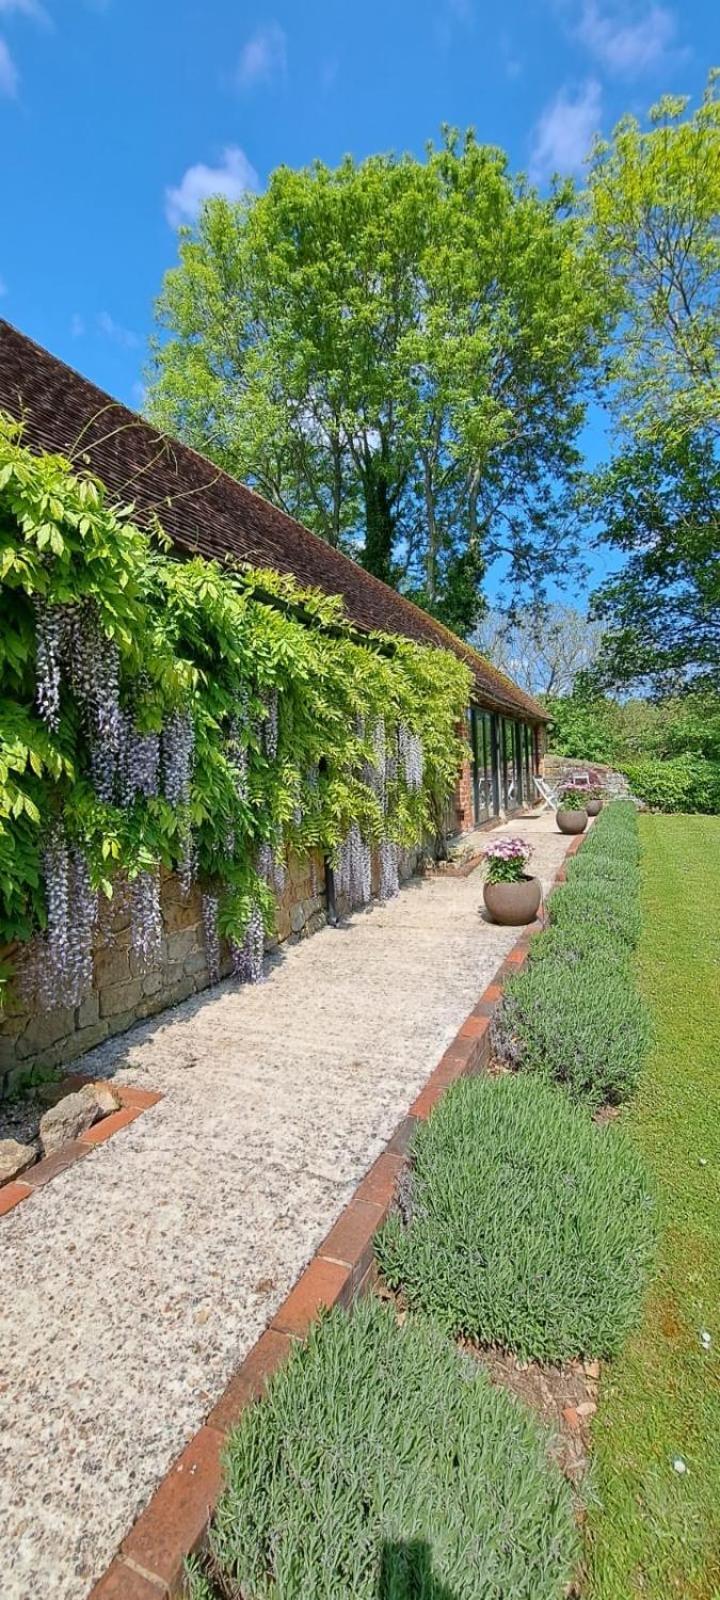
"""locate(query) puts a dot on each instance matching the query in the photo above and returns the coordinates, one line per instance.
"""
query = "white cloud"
(233, 178)
(564, 132)
(24, 8)
(263, 57)
(29, 8)
(113, 330)
(8, 72)
(626, 43)
(77, 325)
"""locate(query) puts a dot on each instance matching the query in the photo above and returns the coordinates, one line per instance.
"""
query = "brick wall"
(32, 1042)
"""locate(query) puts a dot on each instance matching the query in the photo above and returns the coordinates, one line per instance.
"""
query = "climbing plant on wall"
(163, 712)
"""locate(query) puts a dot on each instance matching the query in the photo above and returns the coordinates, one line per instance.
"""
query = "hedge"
(574, 1014)
(682, 783)
(524, 1224)
(382, 1462)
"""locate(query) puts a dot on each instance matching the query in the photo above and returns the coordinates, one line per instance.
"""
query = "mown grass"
(655, 1534)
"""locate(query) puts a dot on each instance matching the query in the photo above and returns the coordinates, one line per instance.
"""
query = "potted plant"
(571, 816)
(512, 896)
(594, 800)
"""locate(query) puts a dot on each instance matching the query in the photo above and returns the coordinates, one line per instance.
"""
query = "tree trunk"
(379, 524)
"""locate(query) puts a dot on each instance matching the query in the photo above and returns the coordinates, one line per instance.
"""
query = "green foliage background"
(669, 750)
(214, 641)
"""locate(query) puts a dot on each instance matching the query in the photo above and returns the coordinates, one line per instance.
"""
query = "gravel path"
(136, 1281)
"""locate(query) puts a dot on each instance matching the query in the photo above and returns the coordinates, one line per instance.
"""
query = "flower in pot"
(593, 800)
(512, 896)
(571, 815)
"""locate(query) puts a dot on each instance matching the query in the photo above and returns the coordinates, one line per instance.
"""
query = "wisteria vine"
(170, 716)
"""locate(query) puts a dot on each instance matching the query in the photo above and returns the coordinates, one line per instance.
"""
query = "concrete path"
(135, 1282)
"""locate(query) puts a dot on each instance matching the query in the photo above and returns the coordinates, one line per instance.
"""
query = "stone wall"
(33, 1043)
(561, 769)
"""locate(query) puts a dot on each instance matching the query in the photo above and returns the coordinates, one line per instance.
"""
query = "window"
(483, 803)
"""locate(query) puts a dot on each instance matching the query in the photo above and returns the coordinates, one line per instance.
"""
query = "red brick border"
(151, 1560)
(132, 1104)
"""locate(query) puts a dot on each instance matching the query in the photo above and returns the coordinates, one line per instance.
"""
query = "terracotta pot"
(513, 904)
(593, 807)
(571, 821)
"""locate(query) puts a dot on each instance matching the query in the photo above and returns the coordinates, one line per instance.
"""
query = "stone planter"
(513, 904)
(571, 821)
(594, 807)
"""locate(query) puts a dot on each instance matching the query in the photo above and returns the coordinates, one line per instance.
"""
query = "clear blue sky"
(116, 116)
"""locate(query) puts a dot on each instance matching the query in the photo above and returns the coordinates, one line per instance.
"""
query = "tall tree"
(655, 214)
(398, 353)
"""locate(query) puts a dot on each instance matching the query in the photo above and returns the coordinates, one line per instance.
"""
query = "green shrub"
(383, 1463)
(529, 1227)
(582, 941)
(607, 903)
(614, 833)
(583, 1025)
(684, 783)
(606, 865)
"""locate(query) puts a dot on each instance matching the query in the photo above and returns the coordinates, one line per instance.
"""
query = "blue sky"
(118, 116)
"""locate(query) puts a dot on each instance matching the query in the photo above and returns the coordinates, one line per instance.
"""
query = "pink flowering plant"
(573, 797)
(506, 860)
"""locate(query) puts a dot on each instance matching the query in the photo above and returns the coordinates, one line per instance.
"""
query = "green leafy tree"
(655, 214)
(398, 353)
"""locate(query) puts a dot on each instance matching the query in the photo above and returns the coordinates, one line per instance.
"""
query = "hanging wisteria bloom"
(237, 755)
(379, 742)
(176, 748)
(389, 880)
(49, 628)
(270, 867)
(247, 958)
(58, 969)
(270, 726)
(353, 874)
(410, 751)
(212, 937)
(146, 917)
(187, 862)
(71, 642)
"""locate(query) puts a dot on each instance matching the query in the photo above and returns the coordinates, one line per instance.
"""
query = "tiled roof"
(204, 510)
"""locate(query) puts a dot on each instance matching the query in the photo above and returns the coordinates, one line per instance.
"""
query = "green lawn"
(656, 1534)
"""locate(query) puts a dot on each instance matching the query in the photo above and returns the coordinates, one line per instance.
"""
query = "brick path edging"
(132, 1104)
(150, 1564)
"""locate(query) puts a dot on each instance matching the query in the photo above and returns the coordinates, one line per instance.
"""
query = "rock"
(66, 1120)
(101, 1095)
(15, 1158)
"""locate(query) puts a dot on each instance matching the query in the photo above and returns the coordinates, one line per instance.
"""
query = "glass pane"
(509, 774)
